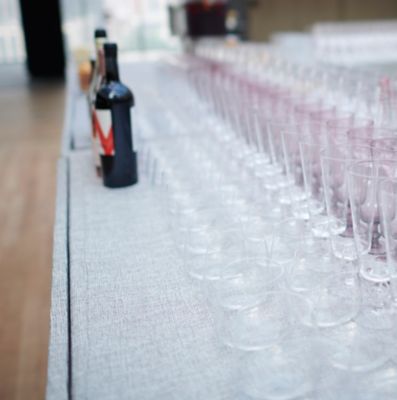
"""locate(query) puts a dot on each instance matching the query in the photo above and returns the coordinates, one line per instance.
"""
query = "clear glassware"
(363, 183)
(244, 282)
(312, 173)
(207, 252)
(381, 383)
(335, 297)
(337, 128)
(364, 135)
(276, 155)
(388, 207)
(289, 369)
(226, 179)
(279, 314)
(294, 195)
(211, 238)
(334, 163)
(291, 238)
(351, 348)
(385, 148)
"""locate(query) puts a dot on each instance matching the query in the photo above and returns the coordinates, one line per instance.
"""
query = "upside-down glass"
(318, 218)
(295, 195)
(337, 128)
(364, 178)
(385, 148)
(334, 163)
(388, 206)
(354, 348)
(289, 369)
(274, 182)
(245, 281)
(278, 314)
(335, 297)
(364, 135)
(363, 183)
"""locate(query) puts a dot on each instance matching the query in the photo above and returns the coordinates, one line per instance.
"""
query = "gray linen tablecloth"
(126, 321)
(140, 328)
(57, 380)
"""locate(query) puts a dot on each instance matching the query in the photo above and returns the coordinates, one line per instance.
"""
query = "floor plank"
(31, 117)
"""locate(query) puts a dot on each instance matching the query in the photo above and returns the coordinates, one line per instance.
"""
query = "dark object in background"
(199, 18)
(114, 126)
(205, 18)
(43, 38)
(236, 18)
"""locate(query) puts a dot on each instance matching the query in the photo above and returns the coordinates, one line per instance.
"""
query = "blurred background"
(37, 41)
(141, 25)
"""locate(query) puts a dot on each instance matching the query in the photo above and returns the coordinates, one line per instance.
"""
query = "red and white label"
(104, 131)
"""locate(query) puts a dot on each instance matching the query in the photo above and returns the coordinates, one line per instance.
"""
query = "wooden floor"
(31, 117)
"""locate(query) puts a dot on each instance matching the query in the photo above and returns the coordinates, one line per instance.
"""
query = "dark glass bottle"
(100, 37)
(114, 126)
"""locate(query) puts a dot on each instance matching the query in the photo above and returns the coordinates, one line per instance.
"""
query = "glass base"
(343, 248)
(355, 349)
(279, 373)
(377, 319)
(373, 269)
(246, 330)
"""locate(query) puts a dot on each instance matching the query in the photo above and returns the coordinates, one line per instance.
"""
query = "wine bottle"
(100, 37)
(114, 126)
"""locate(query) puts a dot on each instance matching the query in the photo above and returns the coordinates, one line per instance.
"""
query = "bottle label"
(104, 131)
(92, 115)
(95, 144)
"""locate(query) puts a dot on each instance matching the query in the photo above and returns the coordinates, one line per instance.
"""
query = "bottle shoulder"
(114, 92)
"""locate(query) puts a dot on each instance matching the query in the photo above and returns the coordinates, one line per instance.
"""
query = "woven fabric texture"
(57, 379)
(140, 327)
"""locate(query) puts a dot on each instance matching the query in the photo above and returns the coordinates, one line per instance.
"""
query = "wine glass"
(295, 195)
(363, 184)
(364, 135)
(364, 178)
(338, 128)
(385, 147)
(335, 160)
(279, 314)
(243, 282)
(312, 173)
(388, 207)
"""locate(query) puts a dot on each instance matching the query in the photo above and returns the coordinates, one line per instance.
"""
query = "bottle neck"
(99, 42)
(112, 69)
(100, 57)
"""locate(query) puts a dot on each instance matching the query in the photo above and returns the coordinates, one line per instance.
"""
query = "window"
(12, 46)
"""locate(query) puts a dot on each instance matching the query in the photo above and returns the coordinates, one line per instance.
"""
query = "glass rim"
(305, 142)
(281, 294)
(257, 259)
(279, 122)
(284, 221)
(350, 168)
(388, 180)
(341, 158)
(351, 118)
(384, 139)
(373, 128)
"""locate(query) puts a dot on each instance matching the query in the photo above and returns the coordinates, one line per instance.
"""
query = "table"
(126, 321)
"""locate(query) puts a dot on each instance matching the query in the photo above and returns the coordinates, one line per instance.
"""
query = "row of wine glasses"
(355, 42)
(319, 150)
(281, 206)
